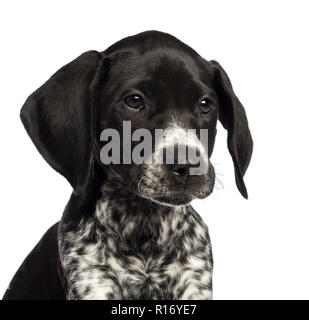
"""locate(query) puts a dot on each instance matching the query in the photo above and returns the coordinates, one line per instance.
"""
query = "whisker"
(218, 184)
(139, 182)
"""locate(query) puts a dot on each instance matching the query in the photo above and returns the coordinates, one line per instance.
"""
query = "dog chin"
(178, 200)
(171, 200)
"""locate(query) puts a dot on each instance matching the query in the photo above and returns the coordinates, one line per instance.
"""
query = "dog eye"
(206, 105)
(134, 101)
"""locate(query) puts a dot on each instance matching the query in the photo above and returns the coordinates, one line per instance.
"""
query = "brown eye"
(206, 105)
(134, 101)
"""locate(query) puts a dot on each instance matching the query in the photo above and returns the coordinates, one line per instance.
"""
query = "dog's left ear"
(59, 117)
(233, 118)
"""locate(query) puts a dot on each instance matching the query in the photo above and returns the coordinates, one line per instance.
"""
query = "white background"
(260, 245)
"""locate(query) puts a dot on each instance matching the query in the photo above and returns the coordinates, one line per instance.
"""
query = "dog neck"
(138, 222)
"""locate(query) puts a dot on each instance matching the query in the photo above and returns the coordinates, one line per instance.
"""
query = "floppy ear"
(233, 118)
(59, 117)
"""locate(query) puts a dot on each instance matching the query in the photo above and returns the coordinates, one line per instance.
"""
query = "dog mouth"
(176, 195)
(178, 199)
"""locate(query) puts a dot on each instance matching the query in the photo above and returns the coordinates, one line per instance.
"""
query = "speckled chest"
(160, 256)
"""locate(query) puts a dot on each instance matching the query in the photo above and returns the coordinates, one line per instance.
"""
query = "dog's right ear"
(59, 117)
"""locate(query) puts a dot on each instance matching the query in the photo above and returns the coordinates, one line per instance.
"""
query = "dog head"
(149, 84)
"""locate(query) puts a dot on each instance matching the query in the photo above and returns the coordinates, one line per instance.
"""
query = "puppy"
(128, 230)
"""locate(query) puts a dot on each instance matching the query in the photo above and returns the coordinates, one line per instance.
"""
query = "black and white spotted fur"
(132, 248)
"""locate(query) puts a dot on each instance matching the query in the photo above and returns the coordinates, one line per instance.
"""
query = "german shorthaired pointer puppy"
(128, 230)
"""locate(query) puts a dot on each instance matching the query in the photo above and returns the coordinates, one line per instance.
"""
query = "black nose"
(181, 170)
